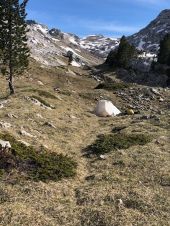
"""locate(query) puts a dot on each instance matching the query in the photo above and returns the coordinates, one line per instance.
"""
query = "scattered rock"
(57, 89)
(2, 103)
(24, 133)
(38, 103)
(102, 157)
(24, 142)
(155, 91)
(40, 83)
(5, 125)
(5, 144)
(39, 116)
(11, 116)
(73, 117)
(161, 99)
(120, 202)
(160, 112)
(59, 98)
(49, 124)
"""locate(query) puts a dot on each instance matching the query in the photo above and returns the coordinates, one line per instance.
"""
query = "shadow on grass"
(130, 76)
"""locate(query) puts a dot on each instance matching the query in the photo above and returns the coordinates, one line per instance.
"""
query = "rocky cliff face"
(148, 39)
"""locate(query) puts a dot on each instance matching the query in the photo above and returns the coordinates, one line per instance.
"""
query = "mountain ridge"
(148, 38)
(50, 46)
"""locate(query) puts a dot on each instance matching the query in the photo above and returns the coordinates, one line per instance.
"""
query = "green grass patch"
(110, 142)
(42, 93)
(38, 165)
(112, 86)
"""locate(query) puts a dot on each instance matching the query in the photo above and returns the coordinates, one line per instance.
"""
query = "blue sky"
(85, 17)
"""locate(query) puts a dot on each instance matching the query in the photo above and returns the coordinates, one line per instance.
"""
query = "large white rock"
(105, 108)
(5, 144)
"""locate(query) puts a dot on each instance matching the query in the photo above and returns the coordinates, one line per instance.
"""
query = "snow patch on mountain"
(99, 45)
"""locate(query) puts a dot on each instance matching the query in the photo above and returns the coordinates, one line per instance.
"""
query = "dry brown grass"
(138, 175)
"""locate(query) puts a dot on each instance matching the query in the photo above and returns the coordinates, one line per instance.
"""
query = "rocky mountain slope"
(50, 47)
(148, 39)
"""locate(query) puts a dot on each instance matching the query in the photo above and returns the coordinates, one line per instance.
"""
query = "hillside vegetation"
(69, 167)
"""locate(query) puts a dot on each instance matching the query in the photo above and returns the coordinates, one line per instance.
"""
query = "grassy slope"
(138, 176)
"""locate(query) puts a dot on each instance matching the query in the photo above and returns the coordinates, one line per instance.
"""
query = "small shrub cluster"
(4, 197)
(112, 86)
(37, 164)
(118, 129)
(107, 143)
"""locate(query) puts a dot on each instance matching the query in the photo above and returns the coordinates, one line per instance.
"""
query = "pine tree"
(111, 58)
(122, 56)
(164, 51)
(13, 40)
(125, 53)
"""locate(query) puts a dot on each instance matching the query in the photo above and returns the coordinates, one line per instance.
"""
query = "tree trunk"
(10, 82)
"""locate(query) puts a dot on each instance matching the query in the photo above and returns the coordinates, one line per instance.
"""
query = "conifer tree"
(164, 51)
(122, 56)
(13, 40)
(125, 53)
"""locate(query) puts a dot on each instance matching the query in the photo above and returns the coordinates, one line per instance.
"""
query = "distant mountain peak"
(148, 38)
(164, 13)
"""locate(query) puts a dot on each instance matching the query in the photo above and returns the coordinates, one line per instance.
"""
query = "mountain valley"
(125, 183)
